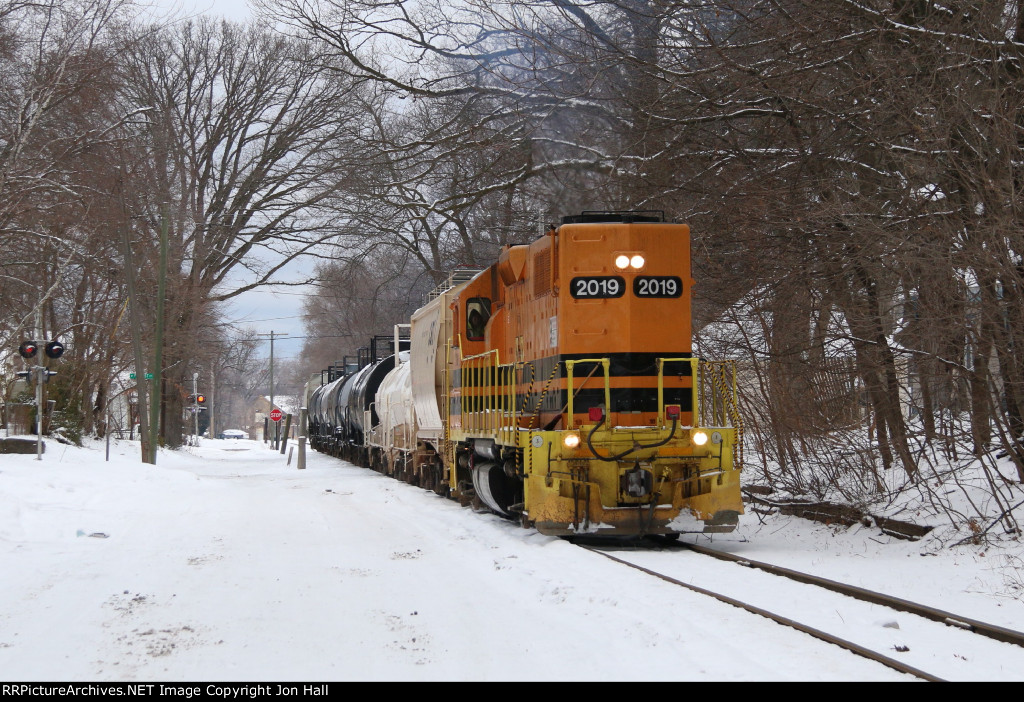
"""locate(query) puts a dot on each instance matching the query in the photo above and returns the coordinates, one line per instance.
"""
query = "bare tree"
(55, 89)
(58, 111)
(849, 170)
(249, 147)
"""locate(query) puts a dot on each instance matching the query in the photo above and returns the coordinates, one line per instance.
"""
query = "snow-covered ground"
(225, 562)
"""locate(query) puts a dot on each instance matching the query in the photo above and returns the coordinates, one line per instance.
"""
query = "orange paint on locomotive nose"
(626, 322)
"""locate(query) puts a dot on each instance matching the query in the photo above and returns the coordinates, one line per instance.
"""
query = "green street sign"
(149, 376)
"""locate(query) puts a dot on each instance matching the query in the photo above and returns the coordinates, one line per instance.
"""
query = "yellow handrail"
(719, 406)
(694, 364)
(605, 366)
(491, 405)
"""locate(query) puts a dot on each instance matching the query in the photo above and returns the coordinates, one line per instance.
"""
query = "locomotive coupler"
(637, 482)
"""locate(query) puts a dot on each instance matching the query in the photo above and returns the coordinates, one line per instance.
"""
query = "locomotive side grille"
(542, 273)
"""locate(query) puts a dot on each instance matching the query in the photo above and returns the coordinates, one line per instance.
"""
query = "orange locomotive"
(573, 397)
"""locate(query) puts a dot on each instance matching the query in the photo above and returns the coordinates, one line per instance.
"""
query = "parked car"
(233, 434)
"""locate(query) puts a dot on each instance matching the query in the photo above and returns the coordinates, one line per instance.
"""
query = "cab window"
(478, 311)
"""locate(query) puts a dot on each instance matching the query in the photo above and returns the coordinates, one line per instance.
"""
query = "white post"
(399, 327)
(40, 372)
(195, 407)
(303, 419)
(40, 376)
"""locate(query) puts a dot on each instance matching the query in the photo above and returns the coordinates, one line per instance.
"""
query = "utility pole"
(272, 336)
(157, 386)
(136, 326)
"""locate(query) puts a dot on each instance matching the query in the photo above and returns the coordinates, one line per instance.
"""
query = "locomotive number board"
(593, 286)
(612, 286)
(657, 286)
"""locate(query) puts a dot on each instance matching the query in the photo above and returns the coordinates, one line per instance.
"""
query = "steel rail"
(991, 631)
(785, 621)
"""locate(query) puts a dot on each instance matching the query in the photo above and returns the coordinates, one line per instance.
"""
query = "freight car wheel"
(436, 480)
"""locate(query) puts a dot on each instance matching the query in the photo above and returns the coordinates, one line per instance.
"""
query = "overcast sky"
(269, 309)
(232, 9)
(264, 310)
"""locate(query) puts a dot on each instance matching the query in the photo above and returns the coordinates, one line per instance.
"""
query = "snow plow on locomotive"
(558, 387)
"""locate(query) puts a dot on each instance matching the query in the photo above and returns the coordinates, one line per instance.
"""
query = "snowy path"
(230, 565)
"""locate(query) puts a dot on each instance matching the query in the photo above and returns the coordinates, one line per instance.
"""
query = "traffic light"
(28, 349)
(200, 399)
(54, 349)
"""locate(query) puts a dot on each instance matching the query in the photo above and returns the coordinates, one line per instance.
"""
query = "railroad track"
(991, 631)
(965, 625)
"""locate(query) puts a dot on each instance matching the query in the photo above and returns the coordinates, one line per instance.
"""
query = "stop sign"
(275, 415)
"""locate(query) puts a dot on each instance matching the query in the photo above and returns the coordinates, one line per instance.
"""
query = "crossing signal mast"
(197, 404)
(39, 374)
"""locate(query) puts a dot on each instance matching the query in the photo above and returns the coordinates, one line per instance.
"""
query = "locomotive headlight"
(571, 440)
(622, 262)
(700, 437)
(637, 261)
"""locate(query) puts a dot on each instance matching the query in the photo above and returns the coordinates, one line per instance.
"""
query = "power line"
(251, 321)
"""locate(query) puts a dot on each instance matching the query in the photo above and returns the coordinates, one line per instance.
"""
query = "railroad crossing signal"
(29, 349)
(200, 399)
(276, 414)
(39, 375)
